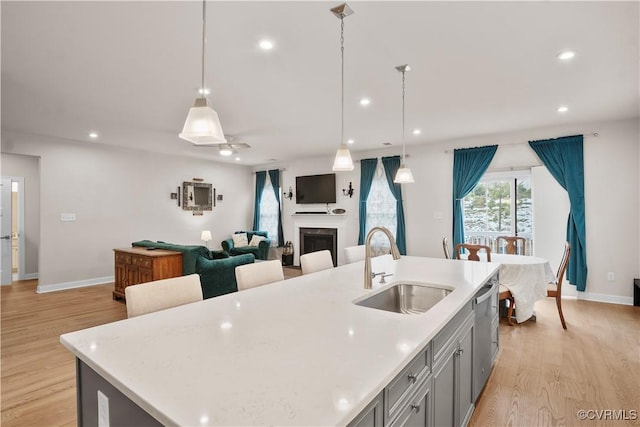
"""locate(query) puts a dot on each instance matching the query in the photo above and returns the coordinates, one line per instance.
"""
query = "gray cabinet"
(439, 387)
(371, 416)
(453, 401)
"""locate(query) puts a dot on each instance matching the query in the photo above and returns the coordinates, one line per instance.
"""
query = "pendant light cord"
(342, 80)
(403, 146)
(204, 40)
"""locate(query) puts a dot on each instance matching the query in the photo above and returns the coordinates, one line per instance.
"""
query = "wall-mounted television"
(316, 189)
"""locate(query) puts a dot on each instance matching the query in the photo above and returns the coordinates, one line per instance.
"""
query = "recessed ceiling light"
(566, 55)
(204, 91)
(365, 101)
(563, 109)
(417, 131)
(266, 44)
(237, 159)
(93, 135)
(350, 141)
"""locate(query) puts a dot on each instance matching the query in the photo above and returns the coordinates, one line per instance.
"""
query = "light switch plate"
(66, 217)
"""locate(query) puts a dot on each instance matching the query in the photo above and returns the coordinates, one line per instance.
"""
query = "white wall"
(611, 195)
(28, 168)
(120, 196)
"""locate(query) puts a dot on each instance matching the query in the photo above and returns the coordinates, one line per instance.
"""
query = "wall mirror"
(197, 196)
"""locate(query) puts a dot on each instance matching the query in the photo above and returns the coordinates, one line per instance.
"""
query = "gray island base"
(299, 352)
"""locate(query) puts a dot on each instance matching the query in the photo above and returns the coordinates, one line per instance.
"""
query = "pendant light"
(403, 175)
(202, 126)
(342, 162)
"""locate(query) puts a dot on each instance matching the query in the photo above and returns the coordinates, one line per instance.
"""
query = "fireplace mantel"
(337, 221)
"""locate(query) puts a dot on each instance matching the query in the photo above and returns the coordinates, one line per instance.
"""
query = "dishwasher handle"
(486, 295)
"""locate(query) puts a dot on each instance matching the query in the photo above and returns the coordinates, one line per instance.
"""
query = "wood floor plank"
(542, 377)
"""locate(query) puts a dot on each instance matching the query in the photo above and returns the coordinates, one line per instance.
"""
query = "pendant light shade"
(202, 126)
(342, 162)
(403, 175)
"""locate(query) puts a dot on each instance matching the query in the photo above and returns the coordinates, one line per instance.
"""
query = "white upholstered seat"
(259, 273)
(354, 253)
(316, 261)
(161, 294)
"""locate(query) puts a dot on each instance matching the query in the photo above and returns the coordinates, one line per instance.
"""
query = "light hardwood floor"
(543, 374)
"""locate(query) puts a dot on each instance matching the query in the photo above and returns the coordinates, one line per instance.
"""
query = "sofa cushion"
(218, 276)
(245, 250)
(240, 239)
(256, 239)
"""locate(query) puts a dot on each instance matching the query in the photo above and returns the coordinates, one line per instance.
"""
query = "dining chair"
(316, 261)
(554, 290)
(514, 245)
(258, 273)
(354, 253)
(473, 251)
(162, 294)
(505, 294)
(445, 248)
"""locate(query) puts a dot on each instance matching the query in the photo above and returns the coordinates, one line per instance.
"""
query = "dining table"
(526, 277)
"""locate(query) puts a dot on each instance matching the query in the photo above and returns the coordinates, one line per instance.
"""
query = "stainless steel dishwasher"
(485, 336)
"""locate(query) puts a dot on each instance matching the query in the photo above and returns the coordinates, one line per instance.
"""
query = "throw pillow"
(255, 240)
(240, 240)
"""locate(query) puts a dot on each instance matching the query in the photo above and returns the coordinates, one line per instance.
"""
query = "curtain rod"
(379, 157)
(593, 134)
(267, 170)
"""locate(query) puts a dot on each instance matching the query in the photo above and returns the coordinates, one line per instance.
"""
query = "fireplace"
(319, 239)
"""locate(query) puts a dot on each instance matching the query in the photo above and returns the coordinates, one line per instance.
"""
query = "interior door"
(5, 231)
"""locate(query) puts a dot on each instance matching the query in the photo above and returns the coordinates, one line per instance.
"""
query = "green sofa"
(216, 268)
(259, 252)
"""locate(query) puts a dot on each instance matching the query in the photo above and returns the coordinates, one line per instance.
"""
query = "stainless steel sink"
(406, 298)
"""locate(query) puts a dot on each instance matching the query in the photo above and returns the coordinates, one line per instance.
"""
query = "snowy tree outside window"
(500, 205)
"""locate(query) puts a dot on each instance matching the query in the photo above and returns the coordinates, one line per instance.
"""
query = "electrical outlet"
(611, 276)
(67, 217)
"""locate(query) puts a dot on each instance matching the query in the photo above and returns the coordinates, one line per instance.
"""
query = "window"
(381, 211)
(500, 205)
(269, 209)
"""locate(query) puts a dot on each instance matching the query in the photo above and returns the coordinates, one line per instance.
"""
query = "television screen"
(316, 189)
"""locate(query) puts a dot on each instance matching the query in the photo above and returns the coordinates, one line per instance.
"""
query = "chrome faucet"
(368, 276)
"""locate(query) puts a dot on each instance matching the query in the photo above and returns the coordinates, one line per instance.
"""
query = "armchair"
(259, 252)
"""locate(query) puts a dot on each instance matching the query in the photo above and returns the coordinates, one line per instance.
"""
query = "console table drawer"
(141, 261)
(123, 258)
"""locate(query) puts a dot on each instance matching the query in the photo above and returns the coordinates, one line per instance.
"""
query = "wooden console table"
(139, 265)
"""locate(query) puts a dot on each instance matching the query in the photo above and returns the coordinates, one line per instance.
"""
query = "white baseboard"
(30, 276)
(72, 285)
(611, 299)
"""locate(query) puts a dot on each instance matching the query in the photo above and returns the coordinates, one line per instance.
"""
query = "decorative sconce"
(348, 191)
(288, 194)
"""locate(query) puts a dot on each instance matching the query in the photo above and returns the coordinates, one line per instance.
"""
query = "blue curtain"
(563, 158)
(261, 178)
(367, 172)
(274, 176)
(391, 166)
(469, 164)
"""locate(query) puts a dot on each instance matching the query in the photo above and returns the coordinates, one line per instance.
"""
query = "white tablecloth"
(526, 277)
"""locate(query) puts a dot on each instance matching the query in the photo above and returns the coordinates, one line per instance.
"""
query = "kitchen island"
(296, 352)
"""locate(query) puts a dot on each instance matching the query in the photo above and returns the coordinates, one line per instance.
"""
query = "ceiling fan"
(230, 147)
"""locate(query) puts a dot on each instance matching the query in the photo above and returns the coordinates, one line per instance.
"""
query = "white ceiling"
(131, 70)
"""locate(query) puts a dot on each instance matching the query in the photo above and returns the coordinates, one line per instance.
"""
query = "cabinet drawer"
(404, 384)
(141, 261)
(123, 258)
(446, 334)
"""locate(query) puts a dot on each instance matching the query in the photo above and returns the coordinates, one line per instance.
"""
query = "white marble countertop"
(296, 352)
